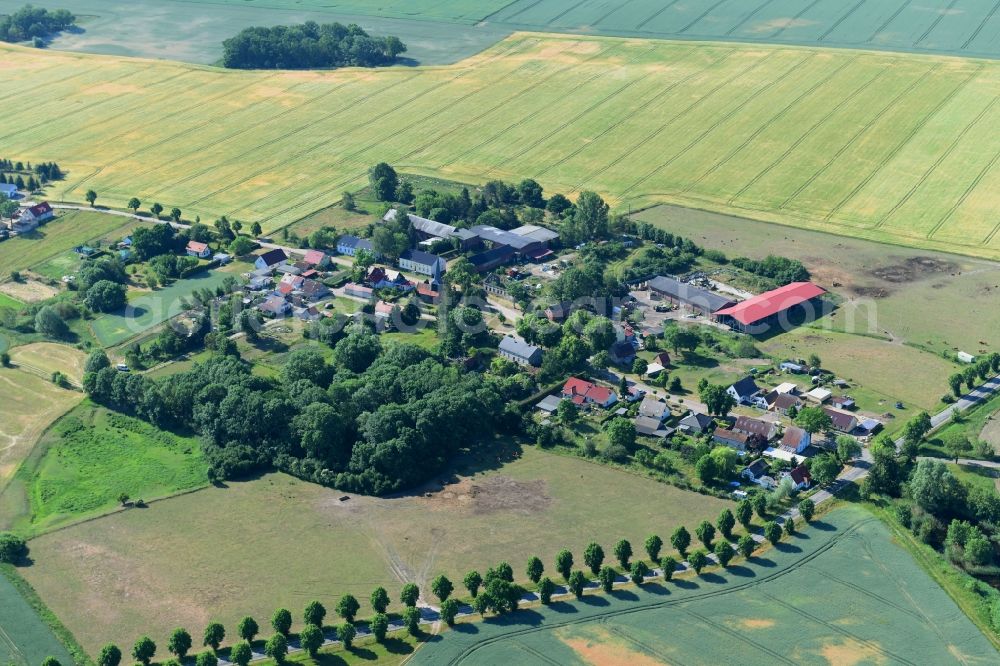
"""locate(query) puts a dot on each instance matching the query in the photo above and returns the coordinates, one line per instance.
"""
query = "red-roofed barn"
(756, 315)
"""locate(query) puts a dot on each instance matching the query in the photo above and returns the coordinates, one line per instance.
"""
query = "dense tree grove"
(780, 270)
(377, 422)
(309, 46)
(29, 22)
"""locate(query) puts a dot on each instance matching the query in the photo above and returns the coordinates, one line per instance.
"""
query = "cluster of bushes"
(309, 46)
(33, 23)
(778, 271)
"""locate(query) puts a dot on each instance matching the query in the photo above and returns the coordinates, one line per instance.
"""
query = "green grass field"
(25, 639)
(224, 552)
(872, 145)
(965, 27)
(844, 593)
(194, 31)
(885, 289)
(57, 237)
(152, 308)
(8, 302)
(89, 457)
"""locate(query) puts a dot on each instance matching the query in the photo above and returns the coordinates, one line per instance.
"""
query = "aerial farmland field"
(851, 594)
(161, 29)
(872, 145)
(115, 565)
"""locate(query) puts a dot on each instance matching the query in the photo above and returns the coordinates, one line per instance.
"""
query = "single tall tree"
(705, 532)
(215, 633)
(179, 643)
(442, 587)
(472, 581)
(623, 553)
(281, 621)
(680, 540)
(247, 628)
(380, 599)
(593, 557)
(564, 563)
(726, 523)
(653, 545)
(314, 613)
(535, 569)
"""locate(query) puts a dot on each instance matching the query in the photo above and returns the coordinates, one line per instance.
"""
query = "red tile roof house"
(582, 392)
(316, 258)
(196, 249)
(33, 216)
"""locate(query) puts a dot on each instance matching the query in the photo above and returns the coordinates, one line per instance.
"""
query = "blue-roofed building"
(517, 350)
(350, 245)
(422, 262)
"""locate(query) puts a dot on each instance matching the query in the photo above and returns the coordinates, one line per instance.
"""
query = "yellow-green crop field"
(886, 146)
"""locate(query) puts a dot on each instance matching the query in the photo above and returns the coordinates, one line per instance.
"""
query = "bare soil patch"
(29, 291)
(495, 493)
(851, 652)
(912, 269)
(756, 623)
(607, 650)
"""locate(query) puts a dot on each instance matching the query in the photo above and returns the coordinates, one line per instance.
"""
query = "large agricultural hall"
(759, 314)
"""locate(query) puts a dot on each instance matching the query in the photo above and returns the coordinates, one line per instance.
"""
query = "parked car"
(121, 367)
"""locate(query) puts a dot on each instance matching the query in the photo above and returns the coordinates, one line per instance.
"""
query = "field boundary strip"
(937, 162)
(903, 142)
(940, 17)
(159, 98)
(135, 153)
(244, 128)
(858, 134)
(636, 145)
(644, 647)
(839, 21)
(748, 17)
(714, 126)
(732, 633)
(725, 55)
(456, 127)
(805, 10)
(885, 24)
(903, 590)
(517, 123)
(656, 14)
(50, 119)
(840, 630)
(979, 28)
(698, 18)
(366, 123)
(770, 121)
(965, 195)
(831, 542)
(805, 135)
